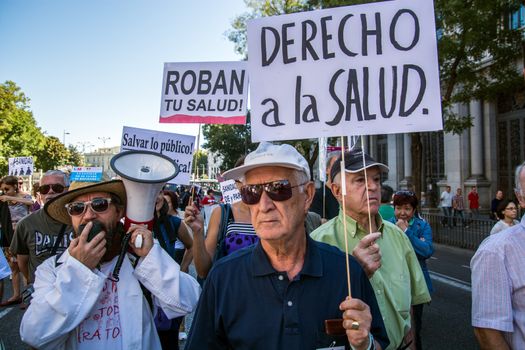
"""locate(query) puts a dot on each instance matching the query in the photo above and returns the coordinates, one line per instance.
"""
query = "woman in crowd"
(184, 242)
(36, 195)
(507, 212)
(407, 218)
(19, 204)
(229, 229)
(168, 229)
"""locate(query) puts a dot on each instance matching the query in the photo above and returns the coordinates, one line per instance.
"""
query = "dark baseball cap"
(355, 163)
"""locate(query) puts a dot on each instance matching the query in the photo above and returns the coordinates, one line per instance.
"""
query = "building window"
(511, 148)
(517, 18)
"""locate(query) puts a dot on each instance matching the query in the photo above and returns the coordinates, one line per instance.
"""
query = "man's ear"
(309, 189)
(521, 199)
(336, 191)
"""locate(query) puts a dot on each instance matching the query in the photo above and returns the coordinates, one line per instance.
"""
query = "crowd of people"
(270, 269)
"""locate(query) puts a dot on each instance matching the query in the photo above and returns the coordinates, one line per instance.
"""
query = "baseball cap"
(268, 154)
(354, 163)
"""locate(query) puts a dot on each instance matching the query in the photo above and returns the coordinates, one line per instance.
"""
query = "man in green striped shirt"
(381, 247)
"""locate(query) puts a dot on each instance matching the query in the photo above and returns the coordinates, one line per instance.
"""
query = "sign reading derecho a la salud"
(356, 70)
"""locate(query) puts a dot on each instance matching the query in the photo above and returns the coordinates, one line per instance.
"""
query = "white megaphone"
(143, 173)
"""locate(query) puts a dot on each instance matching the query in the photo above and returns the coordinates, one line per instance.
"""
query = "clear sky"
(91, 67)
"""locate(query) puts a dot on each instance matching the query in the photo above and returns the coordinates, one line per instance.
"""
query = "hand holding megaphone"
(143, 173)
(145, 236)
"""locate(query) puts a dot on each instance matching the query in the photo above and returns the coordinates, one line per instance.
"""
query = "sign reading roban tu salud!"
(355, 70)
(204, 92)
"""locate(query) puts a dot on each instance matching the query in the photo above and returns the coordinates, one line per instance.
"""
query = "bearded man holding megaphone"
(90, 296)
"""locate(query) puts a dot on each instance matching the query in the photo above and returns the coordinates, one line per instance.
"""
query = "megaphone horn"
(143, 173)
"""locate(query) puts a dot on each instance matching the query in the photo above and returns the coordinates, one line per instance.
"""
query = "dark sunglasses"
(98, 205)
(57, 188)
(279, 191)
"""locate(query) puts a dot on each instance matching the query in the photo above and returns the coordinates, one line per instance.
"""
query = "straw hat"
(56, 207)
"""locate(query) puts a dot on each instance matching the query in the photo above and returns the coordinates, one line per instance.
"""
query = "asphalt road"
(446, 321)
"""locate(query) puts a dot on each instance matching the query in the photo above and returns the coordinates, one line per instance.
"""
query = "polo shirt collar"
(313, 264)
(353, 227)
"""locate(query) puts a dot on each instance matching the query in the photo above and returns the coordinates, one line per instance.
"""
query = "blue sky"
(91, 67)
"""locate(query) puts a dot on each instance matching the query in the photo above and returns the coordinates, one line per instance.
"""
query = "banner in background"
(178, 147)
(230, 193)
(20, 166)
(355, 70)
(86, 174)
(204, 92)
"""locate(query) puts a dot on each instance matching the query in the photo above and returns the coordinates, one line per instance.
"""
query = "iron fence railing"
(467, 233)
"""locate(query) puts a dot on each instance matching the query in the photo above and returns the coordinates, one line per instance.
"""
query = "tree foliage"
(74, 157)
(478, 52)
(229, 141)
(21, 137)
(52, 155)
(200, 162)
(19, 134)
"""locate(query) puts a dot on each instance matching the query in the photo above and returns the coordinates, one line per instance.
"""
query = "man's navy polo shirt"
(247, 304)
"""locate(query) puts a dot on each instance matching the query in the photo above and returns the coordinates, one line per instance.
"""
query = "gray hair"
(58, 173)
(302, 178)
(329, 157)
(519, 169)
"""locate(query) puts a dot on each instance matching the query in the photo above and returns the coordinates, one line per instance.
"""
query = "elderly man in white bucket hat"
(282, 292)
(81, 301)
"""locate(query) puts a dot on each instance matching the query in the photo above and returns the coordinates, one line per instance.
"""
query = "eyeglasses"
(57, 188)
(280, 190)
(98, 205)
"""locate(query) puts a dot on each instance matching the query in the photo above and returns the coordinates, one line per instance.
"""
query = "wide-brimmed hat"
(56, 207)
(356, 161)
(268, 154)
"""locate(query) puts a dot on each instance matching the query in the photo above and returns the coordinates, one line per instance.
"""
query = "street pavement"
(446, 321)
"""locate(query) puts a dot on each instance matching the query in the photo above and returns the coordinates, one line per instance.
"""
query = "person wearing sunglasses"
(498, 283)
(419, 232)
(38, 236)
(78, 303)
(278, 293)
(381, 247)
(507, 212)
(18, 204)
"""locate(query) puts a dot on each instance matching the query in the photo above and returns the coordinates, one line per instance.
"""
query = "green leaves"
(20, 136)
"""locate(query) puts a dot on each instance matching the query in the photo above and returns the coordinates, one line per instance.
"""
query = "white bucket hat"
(268, 154)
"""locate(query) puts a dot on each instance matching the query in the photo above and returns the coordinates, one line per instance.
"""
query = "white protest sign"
(204, 92)
(175, 146)
(20, 166)
(355, 70)
(230, 193)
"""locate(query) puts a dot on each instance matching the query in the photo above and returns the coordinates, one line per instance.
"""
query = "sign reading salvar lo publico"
(355, 70)
(204, 92)
(178, 147)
